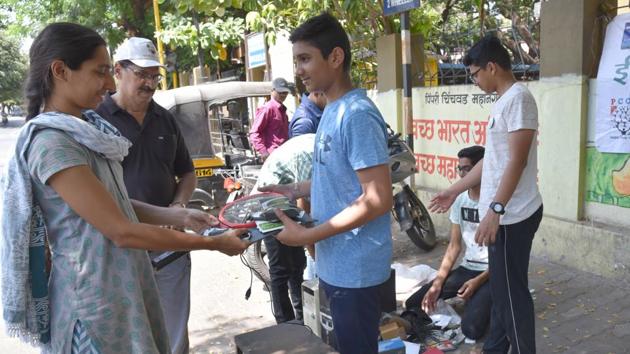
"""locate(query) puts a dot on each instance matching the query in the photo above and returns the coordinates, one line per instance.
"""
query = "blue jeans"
(355, 315)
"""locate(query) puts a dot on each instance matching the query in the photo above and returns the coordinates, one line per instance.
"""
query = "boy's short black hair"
(473, 153)
(325, 33)
(488, 49)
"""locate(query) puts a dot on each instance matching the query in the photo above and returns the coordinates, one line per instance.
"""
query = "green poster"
(607, 178)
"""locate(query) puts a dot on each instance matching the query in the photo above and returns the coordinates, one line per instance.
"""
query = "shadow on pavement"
(219, 336)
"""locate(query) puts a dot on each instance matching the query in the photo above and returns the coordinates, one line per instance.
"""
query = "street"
(8, 135)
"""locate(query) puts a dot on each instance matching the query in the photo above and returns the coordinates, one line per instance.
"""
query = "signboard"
(256, 55)
(612, 122)
(392, 7)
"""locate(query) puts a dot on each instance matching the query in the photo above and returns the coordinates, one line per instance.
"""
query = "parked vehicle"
(214, 119)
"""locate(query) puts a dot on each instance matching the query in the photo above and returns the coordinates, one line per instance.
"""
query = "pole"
(405, 35)
(175, 80)
(174, 77)
(158, 28)
(200, 56)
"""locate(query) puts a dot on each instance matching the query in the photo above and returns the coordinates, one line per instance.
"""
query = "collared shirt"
(306, 118)
(270, 128)
(157, 156)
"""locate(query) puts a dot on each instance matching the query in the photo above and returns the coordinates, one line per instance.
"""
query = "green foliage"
(12, 69)
(113, 19)
(208, 7)
(180, 31)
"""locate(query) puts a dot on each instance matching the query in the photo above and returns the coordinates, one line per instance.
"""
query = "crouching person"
(470, 280)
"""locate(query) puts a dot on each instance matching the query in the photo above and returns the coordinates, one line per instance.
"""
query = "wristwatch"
(497, 208)
(179, 204)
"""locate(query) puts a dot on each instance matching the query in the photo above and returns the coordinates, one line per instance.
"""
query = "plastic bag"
(444, 315)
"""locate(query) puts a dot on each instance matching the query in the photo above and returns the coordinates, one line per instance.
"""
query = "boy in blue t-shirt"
(350, 191)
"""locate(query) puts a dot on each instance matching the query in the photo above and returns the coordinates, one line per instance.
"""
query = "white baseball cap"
(140, 51)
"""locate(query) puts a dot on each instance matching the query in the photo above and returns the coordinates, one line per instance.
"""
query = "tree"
(12, 70)
(448, 26)
(113, 19)
(195, 27)
(210, 35)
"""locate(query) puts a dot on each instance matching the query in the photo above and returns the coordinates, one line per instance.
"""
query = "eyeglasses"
(473, 76)
(142, 75)
(466, 168)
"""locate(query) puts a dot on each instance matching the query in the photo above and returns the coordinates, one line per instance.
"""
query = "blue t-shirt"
(351, 136)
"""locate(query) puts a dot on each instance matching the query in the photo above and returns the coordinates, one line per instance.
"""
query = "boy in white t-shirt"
(470, 280)
(510, 205)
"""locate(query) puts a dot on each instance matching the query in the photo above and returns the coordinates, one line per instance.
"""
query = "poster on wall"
(607, 178)
(612, 125)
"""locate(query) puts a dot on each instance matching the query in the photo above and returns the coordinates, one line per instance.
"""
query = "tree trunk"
(517, 51)
(447, 10)
(482, 17)
(525, 34)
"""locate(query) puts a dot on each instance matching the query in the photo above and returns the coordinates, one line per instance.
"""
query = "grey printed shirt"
(290, 163)
(111, 290)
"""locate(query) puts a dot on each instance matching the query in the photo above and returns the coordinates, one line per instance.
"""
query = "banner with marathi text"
(447, 119)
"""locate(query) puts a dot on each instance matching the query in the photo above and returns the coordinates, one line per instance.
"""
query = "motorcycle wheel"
(255, 258)
(422, 233)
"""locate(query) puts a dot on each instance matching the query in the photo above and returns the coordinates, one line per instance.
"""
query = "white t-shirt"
(465, 214)
(515, 110)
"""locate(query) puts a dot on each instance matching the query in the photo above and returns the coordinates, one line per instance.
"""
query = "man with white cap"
(271, 124)
(158, 169)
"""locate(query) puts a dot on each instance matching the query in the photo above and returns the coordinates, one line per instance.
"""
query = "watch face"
(497, 208)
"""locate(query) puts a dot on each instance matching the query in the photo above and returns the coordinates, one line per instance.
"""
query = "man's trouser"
(286, 268)
(477, 315)
(512, 317)
(173, 283)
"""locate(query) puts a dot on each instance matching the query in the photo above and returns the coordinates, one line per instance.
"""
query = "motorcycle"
(411, 215)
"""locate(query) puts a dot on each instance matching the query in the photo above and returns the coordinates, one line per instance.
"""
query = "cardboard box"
(392, 330)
